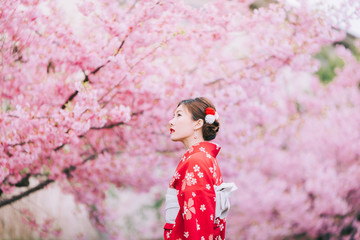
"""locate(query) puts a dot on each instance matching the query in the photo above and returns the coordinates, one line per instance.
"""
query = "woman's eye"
(179, 115)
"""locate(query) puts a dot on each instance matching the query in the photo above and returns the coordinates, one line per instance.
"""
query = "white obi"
(222, 192)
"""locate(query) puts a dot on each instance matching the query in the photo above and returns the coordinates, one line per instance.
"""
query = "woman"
(195, 205)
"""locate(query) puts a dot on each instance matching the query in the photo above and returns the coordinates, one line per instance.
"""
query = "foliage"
(329, 62)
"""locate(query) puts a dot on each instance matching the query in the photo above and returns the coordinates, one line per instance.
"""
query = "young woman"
(197, 198)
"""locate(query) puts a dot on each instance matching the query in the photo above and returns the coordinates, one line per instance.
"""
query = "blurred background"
(88, 87)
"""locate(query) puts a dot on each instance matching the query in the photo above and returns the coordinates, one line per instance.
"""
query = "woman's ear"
(198, 124)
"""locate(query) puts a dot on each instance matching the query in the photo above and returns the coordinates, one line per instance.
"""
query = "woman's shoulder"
(199, 158)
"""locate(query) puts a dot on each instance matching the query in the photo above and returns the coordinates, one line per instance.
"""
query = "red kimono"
(194, 180)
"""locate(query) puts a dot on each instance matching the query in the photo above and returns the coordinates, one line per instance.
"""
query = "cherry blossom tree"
(87, 106)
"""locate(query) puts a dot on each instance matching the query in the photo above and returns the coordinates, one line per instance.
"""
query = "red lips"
(171, 130)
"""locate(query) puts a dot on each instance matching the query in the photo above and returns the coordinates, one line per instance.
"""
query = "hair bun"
(209, 130)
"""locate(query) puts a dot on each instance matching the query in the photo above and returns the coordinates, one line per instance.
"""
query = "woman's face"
(182, 125)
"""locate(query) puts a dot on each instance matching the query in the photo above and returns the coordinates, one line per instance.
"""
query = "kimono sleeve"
(196, 199)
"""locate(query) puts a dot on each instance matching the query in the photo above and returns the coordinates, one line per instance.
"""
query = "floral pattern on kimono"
(194, 180)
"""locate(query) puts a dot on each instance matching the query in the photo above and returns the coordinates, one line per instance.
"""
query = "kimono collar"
(211, 148)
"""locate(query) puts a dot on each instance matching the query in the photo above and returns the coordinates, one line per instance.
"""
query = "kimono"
(194, 180)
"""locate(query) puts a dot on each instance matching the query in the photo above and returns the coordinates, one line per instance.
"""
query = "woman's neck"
(191, 141)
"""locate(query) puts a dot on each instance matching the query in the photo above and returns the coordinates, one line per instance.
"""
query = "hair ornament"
(211, 115)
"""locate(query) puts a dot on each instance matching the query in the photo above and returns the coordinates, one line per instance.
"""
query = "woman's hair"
(197, 108)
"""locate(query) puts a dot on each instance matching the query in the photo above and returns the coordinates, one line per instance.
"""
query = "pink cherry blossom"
(87, 105)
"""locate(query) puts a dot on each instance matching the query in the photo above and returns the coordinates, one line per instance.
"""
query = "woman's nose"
(171, 122)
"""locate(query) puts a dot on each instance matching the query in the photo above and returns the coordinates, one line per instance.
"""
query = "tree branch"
(92, 72)
(26, 193)
(108, 126)
(43, 184)
(69, 99)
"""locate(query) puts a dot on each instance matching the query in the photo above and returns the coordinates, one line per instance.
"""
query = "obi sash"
(222, 192)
